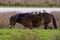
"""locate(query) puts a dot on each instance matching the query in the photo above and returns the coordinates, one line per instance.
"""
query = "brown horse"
(23, 18)
(32, 20)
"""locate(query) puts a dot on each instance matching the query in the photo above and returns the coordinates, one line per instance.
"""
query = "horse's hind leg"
(10, 26)
(45, 26)
(50, 26)
(29, 25)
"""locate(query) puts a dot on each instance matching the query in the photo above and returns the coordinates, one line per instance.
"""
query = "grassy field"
(29, 34)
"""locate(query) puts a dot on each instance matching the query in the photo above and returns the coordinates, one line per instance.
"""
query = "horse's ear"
(44, 11)
(39, 12)
(36, 13)
(31, 12)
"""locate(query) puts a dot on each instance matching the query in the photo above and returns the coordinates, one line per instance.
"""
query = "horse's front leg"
(12, 25)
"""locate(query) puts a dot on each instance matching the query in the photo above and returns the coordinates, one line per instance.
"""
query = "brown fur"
(33, 20)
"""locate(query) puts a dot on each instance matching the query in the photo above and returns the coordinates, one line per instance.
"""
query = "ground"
(29, 34)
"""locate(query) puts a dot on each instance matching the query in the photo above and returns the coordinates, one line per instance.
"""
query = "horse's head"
(12, 21)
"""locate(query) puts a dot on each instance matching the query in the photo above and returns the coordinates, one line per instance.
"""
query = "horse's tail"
(54, 22)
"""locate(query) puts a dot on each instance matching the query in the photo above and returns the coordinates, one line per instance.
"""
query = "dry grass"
(4, 18)
(57, 17)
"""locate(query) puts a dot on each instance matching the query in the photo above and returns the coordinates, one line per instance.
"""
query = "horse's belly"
(39, 23)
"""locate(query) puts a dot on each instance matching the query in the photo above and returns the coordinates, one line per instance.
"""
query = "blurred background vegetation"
(30, 3)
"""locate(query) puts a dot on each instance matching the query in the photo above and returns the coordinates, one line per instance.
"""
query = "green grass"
(29, 34)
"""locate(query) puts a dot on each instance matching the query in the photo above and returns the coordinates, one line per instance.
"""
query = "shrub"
(3, 4)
